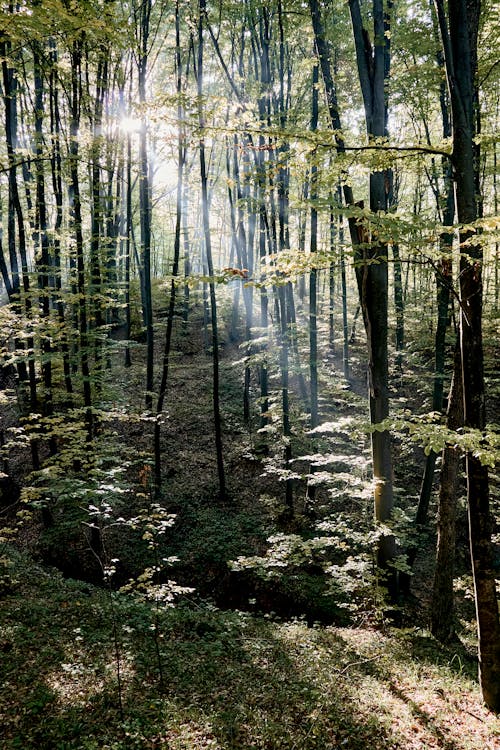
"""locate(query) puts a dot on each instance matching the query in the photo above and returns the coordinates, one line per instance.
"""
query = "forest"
(249, 391)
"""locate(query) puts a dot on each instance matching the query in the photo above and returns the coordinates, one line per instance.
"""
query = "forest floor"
(243, 661)
(72, 653)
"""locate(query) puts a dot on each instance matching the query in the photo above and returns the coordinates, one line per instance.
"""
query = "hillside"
(273, 635)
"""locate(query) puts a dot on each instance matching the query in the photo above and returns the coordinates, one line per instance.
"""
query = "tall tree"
(145, 199)
(75, 99)
(208, 254)
(370, 253)
(459, 33)
(41, 225)
(313, 306)
(373, 61)
(181, 159)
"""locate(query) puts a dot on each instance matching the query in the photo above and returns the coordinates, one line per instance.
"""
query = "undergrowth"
(72, 652)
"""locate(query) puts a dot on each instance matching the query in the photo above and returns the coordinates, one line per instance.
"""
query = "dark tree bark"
(459, 33)
(145, 200)
(41, 236)
(442, 611)
(343, 281)
(15, 212)
(373, 70)
(444, 281)
(15, 219)
(372, 277)
(181, 158)
(210, 268)
(9, 81)
(313, 302)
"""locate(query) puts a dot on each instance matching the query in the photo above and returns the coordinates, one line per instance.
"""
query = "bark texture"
(459, 34)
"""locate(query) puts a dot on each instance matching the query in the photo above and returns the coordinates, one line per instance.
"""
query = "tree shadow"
(255, 683)
(454, 656)
(418, 649)
(229, 680)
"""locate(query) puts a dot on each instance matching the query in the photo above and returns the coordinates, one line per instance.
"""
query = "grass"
(82, 668)
(231, 680)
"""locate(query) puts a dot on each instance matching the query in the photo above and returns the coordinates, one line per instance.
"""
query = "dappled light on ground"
(229, 680)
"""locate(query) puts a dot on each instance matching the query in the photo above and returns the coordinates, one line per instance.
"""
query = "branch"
(229, 77)
(490, 71)
(309, 137)
(358, 663)
(363, 55)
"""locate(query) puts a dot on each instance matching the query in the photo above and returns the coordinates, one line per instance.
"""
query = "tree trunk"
(145, 202)
(57, 187)
(444, 281)
(208, 253)
(43, 239)
(181, 153)
(398, 301)
(313, 303)
(459, 36)
(372, 278)
(442, 610)
(76, 214)
(373, 283)
(345, 326)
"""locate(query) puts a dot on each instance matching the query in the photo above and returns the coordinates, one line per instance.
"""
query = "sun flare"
(130, 124)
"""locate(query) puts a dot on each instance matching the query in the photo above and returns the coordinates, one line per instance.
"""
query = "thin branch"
(305, 136)
(490, 71)
(229, 77)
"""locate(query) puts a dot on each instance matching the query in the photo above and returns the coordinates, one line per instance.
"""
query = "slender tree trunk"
(41, 234)
(373, 68)
(343, 280)
(76, 213)
(145, 201)
(16, 217)
(97, 213)
(262, 43)
(372, 278)
(57, 188)
(333, 226)
(9, 80)
(313, 306)
(181, 155)
(444, 281)
(187, 258)
(313, 278)
(302, 231)
(264, 317)
(442, 610)
(210, 268)
(398, 302)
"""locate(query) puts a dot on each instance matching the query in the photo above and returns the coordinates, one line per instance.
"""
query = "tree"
(143, 40)
(181, 160)
(370, 254)
(208, 254)
(459, 33)
(372, 269)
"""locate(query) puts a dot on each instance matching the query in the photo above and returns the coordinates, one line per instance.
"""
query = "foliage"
(95, 155)
(233, 680)
(430, 432)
